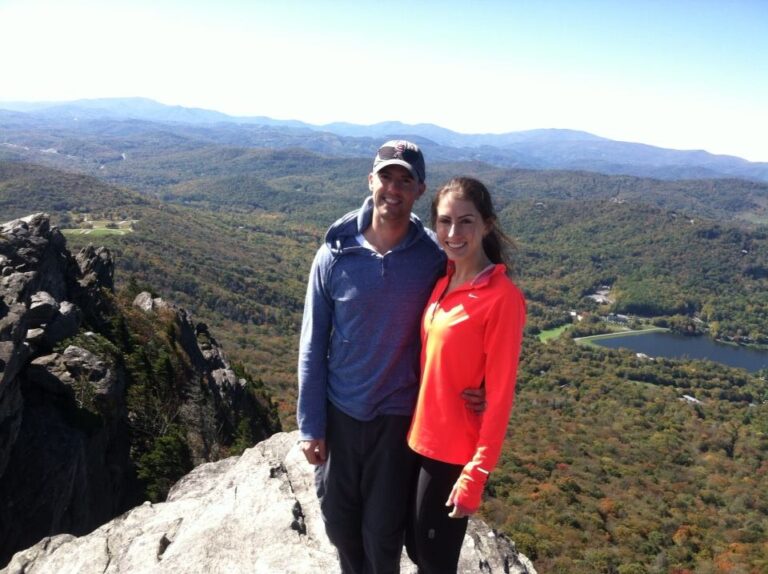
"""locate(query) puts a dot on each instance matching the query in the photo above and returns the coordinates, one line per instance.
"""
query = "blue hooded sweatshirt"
(360, 345)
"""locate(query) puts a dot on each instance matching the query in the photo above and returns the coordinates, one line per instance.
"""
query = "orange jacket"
(470, 336)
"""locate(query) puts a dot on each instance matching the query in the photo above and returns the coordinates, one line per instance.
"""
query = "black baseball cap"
(403, 153)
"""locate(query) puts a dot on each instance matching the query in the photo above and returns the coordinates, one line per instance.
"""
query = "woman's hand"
(458, 511)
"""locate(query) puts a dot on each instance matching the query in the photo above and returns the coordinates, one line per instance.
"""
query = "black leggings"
(433, 538)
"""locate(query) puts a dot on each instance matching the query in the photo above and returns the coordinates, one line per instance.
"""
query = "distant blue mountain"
(447, 137)
(532, 149)
(136, 109)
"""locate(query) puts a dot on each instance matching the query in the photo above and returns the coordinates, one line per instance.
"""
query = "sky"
(680, 74)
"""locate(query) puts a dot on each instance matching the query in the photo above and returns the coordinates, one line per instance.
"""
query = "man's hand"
(475, 399)
(314, 450)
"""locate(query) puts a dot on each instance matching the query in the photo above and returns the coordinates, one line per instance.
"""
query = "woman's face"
(460, 229)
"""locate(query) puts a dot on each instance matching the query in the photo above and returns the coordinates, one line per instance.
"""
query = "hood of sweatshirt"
(341, 235)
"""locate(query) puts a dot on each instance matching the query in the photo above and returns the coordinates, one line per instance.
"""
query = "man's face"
(394, 191)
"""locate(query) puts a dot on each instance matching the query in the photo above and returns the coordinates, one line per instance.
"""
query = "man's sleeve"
(313, 351)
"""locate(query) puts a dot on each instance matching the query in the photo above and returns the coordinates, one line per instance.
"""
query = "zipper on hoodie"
(438, 301)
(480, 280)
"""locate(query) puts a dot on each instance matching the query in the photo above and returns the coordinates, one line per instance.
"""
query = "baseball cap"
(404, 153)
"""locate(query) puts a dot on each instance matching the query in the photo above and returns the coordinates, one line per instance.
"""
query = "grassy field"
(101, 227)
(98, 232)
(550, 334)
(643, 331)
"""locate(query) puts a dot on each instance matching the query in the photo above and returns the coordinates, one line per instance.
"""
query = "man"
(359, 362)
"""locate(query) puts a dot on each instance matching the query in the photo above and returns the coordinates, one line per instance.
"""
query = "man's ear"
(422, 189)
(370, 181)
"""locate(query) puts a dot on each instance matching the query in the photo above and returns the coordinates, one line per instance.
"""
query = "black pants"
(434, 539)
(364, 489)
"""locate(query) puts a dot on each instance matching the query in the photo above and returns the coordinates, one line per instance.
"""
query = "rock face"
(226, 400)
(256, 513)
(68, 433)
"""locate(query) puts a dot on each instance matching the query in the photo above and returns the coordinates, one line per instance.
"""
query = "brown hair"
(496, 244)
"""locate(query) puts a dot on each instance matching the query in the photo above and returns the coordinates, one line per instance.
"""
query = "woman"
(471, 334)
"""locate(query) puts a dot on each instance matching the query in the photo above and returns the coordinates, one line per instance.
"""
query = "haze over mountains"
(532, 149)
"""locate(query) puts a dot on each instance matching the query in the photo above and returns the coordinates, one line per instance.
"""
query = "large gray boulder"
(33, 279)
(256, 513)
(64, 452)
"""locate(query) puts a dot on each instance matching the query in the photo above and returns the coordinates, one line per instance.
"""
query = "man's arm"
(313, 366)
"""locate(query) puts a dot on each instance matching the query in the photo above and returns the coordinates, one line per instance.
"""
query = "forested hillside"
(606, 467)
(658, 263)
(667, 248)
(622, 465)
(186, 163)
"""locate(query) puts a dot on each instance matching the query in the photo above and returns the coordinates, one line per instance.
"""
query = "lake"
(674, 346)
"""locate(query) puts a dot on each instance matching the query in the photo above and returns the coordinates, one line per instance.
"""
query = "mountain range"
(531, 149)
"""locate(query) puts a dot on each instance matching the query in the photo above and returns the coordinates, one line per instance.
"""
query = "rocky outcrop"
(69, 433)
(256, 513)
(227, 400)
(61, 468)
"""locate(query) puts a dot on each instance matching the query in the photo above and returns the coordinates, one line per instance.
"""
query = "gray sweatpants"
(364, 488)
